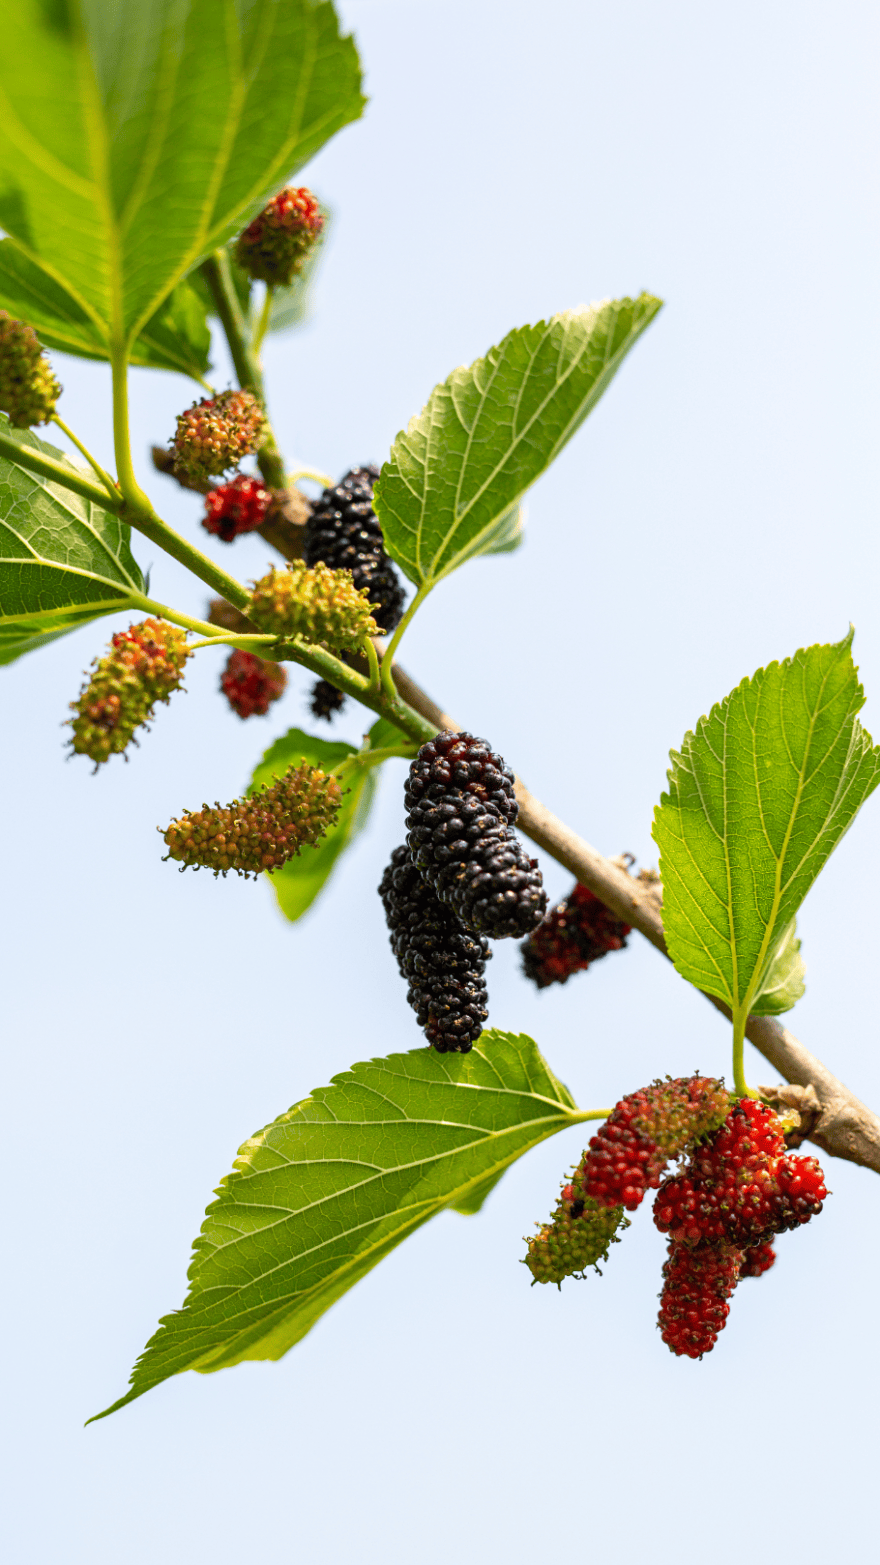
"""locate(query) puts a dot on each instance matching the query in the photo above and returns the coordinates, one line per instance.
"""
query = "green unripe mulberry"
(314, 602)
(260, 832)
(577, 1236)
(28, 389)
(144, 665)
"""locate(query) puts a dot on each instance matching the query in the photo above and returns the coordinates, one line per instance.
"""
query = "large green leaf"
(63, 560)
(298, 882)
(177, 337)
(135, 138)
(759, 797)
(328, 1189)
(491, 429)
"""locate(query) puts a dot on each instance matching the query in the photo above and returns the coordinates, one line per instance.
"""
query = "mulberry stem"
(218, 275)
(740, 1086)
(106, 480)
(262, 325)
(57, 472)
(394, 643)
(373, 660)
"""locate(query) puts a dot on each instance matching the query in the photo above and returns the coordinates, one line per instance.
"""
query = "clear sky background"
(718, 510)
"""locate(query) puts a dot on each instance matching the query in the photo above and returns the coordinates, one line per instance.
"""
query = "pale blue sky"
(718, 510)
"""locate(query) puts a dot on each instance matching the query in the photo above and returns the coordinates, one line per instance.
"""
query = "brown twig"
(845, 1127)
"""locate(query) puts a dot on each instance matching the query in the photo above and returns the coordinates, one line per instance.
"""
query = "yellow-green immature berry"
(144, 665)
(576, 1238)
(314, 602)
(260, 832)
(28, 389)
(214, 434)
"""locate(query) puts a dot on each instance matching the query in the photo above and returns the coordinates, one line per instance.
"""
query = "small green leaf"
(136, 138)
(297, 883)
(318, 1198)
(758, 799)
(453, 478)
(63, 560)
(784, 983)
(509, 533)
(176, 338)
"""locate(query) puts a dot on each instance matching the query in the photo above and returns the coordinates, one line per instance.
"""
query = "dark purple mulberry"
(343, 532)
(575, 933)
(325, 700)
(443, 963)
(460, 812)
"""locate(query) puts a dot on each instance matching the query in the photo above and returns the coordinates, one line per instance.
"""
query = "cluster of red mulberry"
(237, 507)
(260, 832)
(442, 961)
(575, 933)
(144, 665)
(343, 532)
(460, 813)
(216, 433)
(738, 1190)
(274, 246)
(250, 684)
(28, 389)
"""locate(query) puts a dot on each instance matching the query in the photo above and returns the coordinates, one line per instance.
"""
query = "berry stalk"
(218, 277)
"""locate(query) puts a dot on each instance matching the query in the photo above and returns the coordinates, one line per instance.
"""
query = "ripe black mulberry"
(461, 808)
(343, 532)
(443, 963)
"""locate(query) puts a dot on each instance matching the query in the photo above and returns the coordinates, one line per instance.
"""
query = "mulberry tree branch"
(845, 1127)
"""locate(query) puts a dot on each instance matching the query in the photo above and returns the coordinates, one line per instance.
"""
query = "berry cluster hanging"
(738, 1189)
(144, 665)
(462, 879)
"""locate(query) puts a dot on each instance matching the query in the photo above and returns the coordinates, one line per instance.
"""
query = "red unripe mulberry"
(646, 1129)
(237, 507)
(250, 684)
(739, 1185)
(693, 1304)
(274, 246)
(757, 1260)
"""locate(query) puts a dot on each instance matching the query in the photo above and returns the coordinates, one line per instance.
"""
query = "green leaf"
(298, 882)
(783, 984)
(509, 533)
(491, 429)
(136, 138)
(758, 799)
(63, 560)
(176, 338)
(318, 1198)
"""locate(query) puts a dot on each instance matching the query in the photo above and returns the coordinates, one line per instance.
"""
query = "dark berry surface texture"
(274, 246)
(693, 1304)
(237, 507)
(343, 532)
(325, 700)
(250, 684)
(740, 1185)
(577, 1236)
(443, 963)
(460, 809)
(575, 933)
(644, 1130)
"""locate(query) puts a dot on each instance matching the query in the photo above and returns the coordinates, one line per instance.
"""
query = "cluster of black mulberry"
(343, 532)
(462, 878)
